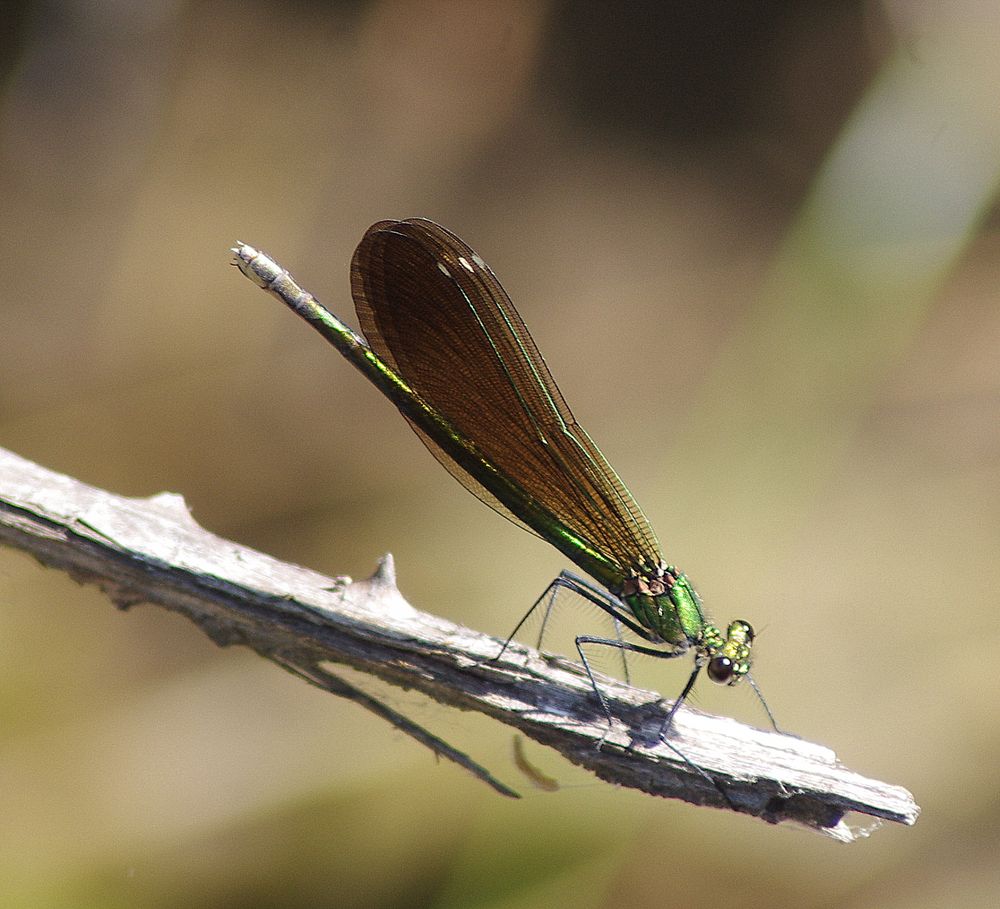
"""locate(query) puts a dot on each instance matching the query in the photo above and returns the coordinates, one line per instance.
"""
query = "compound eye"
(721, 669)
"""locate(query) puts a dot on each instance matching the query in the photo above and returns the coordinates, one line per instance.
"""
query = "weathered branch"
(150, 550)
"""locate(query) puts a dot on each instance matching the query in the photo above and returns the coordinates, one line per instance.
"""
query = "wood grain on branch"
(151, 550)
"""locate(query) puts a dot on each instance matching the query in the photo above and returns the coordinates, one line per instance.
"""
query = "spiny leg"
(550, 594)
(669, 720)
(665, 726)
(594, 594)
(665, 729)
(618, 637)
(767, 710)
(620, 645)
(574, 583)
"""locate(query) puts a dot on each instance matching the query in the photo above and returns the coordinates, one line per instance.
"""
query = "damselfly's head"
(729, 659)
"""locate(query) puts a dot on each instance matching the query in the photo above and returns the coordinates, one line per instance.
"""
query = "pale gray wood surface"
(151, 550)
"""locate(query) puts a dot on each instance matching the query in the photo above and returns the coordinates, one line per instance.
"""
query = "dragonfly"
(443, 341)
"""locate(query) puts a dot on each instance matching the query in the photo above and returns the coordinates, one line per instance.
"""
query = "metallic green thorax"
(666, 603)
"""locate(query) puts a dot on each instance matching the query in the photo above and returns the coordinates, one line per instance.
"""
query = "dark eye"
(720, 670)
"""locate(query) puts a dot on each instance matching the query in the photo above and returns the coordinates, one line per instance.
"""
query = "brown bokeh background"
(757, 246)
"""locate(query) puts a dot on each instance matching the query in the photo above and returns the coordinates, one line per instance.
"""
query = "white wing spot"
(444, 269)
(478, 259)
(464, 263)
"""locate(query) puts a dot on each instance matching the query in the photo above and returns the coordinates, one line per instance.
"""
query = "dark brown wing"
(432, 309)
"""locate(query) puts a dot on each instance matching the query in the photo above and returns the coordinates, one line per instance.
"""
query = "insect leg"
(620, 645)
(601, 598)
(664, 728)
(763, 703)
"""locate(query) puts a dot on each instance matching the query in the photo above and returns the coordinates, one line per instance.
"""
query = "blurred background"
(757, 244)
